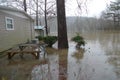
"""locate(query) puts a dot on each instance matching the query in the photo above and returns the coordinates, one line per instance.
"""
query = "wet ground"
(98, 60)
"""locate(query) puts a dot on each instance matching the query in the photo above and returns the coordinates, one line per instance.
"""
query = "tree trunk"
(37, 13)
(25, 5)
(62, 28)
(45, 13)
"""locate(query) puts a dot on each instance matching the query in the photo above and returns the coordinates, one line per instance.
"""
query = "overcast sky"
(94, 7)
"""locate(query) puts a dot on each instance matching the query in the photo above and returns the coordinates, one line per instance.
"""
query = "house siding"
(20, 34)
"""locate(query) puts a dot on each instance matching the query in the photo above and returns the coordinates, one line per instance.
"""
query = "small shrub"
(50, 40)
(40, 38)
(79, 40)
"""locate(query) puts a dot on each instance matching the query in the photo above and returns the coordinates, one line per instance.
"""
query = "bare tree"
(45, 13)
(62, 27)
(35, 8)
(82, 6)
(36, 11)
(25, 5)
(13, 3)
(48, 9)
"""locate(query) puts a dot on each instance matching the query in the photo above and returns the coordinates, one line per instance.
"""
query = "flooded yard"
(99, 59)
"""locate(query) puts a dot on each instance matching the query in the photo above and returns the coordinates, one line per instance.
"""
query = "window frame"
(7, 28)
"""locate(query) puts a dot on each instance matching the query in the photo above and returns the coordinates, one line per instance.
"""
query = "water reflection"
(41, 72)
(79, 54)
(112, 49)
(57, 65)
(99, 60)
(63, 61)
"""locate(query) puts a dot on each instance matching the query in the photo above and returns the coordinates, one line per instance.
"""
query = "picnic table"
(24, 48)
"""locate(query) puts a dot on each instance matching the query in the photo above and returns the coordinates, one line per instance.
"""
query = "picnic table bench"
(22, 49)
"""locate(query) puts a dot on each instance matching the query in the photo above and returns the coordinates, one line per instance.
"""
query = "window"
(9, 23)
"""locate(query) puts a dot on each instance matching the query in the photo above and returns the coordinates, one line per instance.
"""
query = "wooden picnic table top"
(27, 47)
(31, 44)
(34, 49)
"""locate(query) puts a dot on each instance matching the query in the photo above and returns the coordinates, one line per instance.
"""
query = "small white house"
(16, 26)
(39, 30)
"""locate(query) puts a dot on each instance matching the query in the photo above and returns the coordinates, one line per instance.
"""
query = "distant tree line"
(81, 24)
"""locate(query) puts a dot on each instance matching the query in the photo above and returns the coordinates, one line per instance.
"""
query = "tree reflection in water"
(63, 54)
(100, 60)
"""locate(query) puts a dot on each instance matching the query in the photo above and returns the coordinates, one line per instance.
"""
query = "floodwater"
(99, 59)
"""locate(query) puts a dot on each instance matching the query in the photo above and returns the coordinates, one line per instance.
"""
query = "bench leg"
(21, 55)
(9, 55)
(37, 57)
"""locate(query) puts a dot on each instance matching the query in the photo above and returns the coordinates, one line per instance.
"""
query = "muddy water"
(98, 60)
